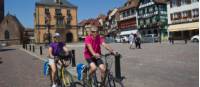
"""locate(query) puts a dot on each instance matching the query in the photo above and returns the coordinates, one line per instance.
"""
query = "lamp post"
(48, 17)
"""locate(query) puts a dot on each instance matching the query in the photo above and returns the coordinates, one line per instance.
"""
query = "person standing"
(131, 40)
(137, 41)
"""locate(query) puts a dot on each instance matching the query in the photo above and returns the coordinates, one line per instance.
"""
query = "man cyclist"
(55, 48)
(92, 51)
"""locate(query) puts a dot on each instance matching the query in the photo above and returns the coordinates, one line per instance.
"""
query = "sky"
(24, 9)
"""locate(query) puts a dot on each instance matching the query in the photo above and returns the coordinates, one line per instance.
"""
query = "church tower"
(1, 10)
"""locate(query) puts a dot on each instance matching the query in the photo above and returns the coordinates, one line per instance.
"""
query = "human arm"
(107, 47)
(50, 52)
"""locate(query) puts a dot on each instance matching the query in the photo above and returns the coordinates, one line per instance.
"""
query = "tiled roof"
(53, 3)
(131, 4)
(161, 1)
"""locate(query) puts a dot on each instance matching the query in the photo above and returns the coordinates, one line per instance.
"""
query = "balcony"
(147, 4)
(60, 26)
(128, 17)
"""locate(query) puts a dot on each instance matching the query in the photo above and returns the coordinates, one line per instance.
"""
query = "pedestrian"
(170, 40)
(137, 41)
(131, 40)
(185, 40)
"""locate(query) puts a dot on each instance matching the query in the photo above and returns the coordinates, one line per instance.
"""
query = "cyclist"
(92, 51)
(55, 48)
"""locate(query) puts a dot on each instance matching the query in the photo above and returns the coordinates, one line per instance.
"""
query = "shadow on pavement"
(1, 50)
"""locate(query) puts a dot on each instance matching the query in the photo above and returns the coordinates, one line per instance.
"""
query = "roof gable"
(53, 3)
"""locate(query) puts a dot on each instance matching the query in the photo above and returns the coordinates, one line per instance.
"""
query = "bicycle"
(108, 81)
(63, 77)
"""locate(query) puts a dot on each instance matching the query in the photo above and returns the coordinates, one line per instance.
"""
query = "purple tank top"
(57, 47)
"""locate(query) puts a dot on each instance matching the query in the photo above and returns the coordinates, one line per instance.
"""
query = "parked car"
(150, 38)
(117, 40)
(121, 39)
(124, 39)
(195, 38)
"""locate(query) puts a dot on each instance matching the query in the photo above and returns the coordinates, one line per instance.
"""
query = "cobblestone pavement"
(19, 69)
(155, 65)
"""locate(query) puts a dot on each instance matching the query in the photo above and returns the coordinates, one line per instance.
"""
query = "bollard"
(33, 48)
(117, 66)
(73, 58)
(26, 46)
(23, 46)
(30, 47)
(40, 50)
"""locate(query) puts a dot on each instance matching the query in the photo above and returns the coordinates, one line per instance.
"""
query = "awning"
(128, 32)
(184, 27)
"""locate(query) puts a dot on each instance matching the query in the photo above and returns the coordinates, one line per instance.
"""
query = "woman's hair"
(56, 39)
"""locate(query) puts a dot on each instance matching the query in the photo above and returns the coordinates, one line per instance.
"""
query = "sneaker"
(54, 85)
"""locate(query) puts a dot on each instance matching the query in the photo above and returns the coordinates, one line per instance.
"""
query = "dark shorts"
(97, 62)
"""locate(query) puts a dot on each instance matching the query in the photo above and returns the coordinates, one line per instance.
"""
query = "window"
(128, 13)
(59, 21)
(150, 9)
(195, 0)
(68, 11)
(195, 12)
(46, 10)
(132, 11)
(57, 1)
(171, 16)
(58, 11)
(184, 14)
(178, 3)
(140, 12)
(7, 35)
(188, 1)
(173, 3)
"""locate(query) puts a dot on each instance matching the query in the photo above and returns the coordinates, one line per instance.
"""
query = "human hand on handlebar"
(96, 55)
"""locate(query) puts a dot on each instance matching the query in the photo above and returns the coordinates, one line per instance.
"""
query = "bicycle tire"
(112, 82)
(67, 78)
(78, 84)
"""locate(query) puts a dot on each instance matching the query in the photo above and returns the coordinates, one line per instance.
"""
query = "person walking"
(131, 40)
(137, 41)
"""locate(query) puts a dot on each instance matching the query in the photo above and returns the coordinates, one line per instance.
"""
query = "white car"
(195, 38)
(121, 39)
(124, 39)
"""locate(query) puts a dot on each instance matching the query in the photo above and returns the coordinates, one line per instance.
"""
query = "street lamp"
(48, 25)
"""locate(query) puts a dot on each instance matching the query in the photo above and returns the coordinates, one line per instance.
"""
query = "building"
(113, 18)
(1, 10)
(53, 16)
(152, 18)
(29, 36)
(183, 18)
(127, 23)
(11, 30)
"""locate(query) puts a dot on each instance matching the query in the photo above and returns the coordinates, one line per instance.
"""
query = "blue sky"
(86, 9)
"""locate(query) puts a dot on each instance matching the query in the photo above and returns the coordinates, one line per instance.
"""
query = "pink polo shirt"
(96, 45)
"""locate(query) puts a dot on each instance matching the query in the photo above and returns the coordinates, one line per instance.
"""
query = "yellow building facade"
(55, 16)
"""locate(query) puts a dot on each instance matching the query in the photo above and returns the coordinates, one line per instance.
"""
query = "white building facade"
(183, 18)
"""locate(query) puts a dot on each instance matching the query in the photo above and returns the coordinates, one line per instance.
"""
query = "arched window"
(7, 34)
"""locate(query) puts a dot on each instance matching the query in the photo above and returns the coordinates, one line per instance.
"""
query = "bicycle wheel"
(113, 82)
(78, 84)
(67, 78)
